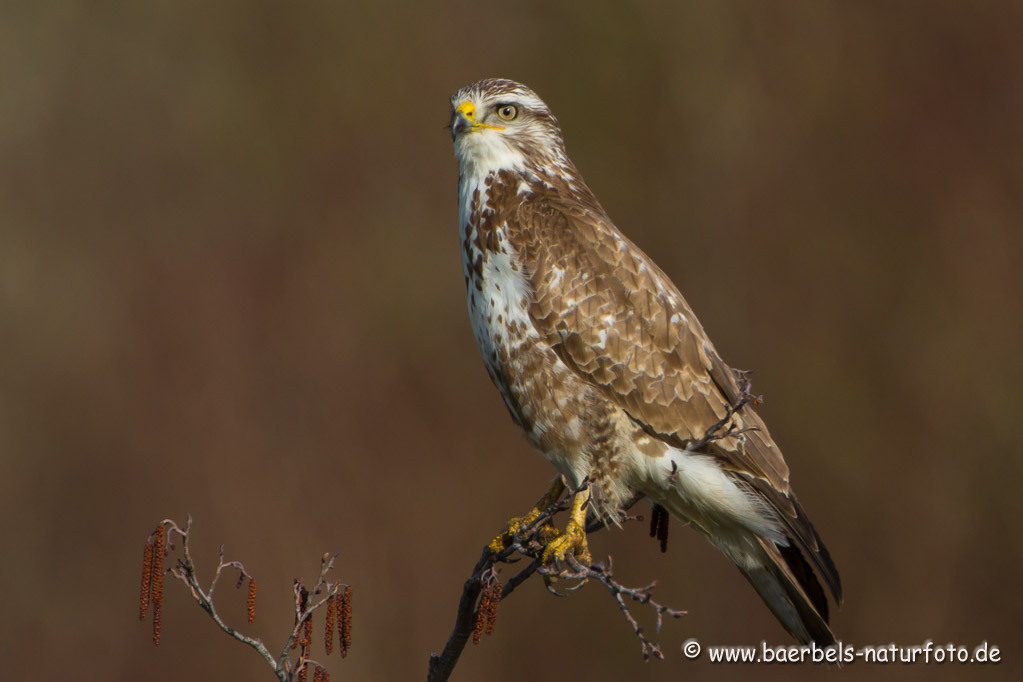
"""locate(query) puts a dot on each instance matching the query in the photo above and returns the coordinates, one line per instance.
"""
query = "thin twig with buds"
(530, 542)
(283, 667)
(643, 595)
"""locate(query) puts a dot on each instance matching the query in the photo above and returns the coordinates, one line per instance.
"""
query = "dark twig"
(530, 543)
(643, 595)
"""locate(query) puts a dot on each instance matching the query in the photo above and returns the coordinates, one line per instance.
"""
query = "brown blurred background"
(230, 286)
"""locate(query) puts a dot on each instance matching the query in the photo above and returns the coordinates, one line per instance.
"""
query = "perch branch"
(529, 543)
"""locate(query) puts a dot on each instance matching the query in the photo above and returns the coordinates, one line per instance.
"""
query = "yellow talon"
(573, 539)
(517, 523)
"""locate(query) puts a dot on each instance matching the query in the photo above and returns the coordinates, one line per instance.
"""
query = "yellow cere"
(468, 109)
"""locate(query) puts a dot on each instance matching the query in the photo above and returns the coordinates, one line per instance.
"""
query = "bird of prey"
(605, 367)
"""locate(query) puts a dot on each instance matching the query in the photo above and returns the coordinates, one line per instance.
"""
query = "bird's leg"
(573, 539)
(517, 523)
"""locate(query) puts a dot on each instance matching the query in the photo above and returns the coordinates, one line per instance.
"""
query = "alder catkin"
(481, 617)
(328, 630)
(307, 635)
(307, 627)
(250, 603)
(303, 600)
(495, 599)
(345, 619)
(159, 548)
(147, 576)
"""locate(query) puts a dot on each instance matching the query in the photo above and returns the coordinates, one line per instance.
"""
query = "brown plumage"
(601, 361)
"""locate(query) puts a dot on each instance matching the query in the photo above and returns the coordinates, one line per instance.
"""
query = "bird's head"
(502, 125)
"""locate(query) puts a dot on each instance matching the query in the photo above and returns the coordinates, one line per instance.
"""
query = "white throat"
(481, 154)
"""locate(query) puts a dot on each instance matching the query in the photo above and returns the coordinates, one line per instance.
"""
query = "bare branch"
(642, 595)
(529, 543)
(283, 667)
(186, 573)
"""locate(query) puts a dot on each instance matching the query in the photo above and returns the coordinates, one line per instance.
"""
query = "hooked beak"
(464, 120)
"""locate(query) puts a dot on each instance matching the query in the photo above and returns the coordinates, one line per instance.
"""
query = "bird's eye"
(507, 112)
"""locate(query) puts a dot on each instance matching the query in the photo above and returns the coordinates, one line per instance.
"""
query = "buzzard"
(605, 367)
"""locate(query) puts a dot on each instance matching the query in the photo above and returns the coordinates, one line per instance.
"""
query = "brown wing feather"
(615, 318)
